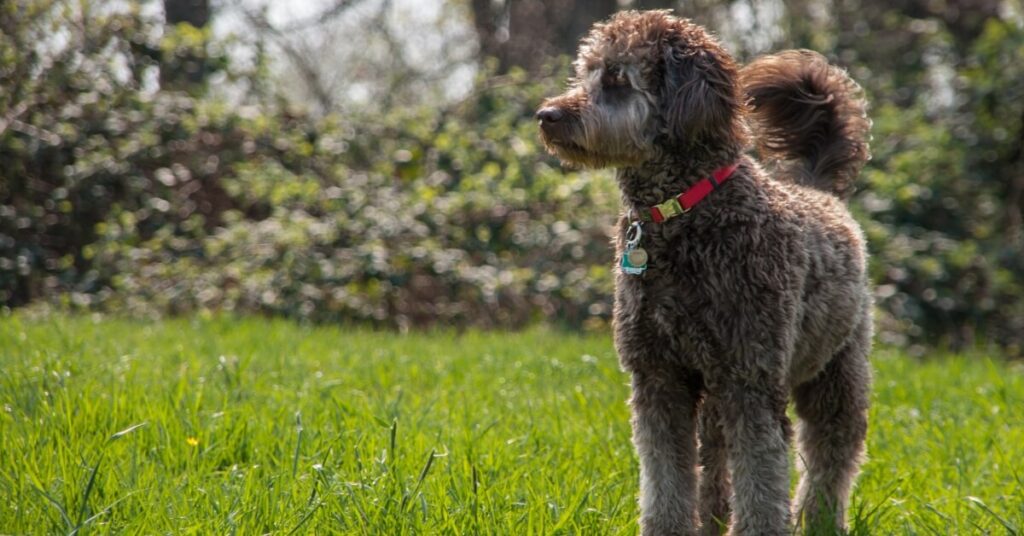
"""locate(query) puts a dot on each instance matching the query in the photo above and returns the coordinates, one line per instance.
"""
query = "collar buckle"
(670, 208)
(674, 205)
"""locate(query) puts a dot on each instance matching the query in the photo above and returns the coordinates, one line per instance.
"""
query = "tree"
(188, 69)
(527, 33)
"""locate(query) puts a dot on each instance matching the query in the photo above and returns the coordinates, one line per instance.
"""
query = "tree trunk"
(654, 4)
(527, 33)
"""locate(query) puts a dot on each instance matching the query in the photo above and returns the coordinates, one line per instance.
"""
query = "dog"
(742, 283)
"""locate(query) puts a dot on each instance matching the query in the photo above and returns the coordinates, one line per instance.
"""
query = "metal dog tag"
(638, 257)
(634, 259)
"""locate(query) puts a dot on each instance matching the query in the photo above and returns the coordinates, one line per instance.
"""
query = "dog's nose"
(550, 114)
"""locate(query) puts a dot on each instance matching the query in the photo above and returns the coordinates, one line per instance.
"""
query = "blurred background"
(376, 161)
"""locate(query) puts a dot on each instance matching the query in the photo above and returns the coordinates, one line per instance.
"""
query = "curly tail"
(809, 118)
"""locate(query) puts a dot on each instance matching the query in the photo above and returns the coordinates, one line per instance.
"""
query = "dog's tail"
(809, 118)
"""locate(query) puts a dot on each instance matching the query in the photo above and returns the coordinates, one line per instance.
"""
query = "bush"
(943, 200)
(116, 196)
(435, 217)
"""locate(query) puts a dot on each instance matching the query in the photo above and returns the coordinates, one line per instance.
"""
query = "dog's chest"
(667, 296)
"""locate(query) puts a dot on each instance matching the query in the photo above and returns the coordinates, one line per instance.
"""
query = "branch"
(339, 7)
(307, 67)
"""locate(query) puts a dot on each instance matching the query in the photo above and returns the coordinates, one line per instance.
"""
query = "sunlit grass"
(253, 426)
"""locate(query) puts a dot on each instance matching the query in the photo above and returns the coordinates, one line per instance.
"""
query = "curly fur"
(757, 297)
(810, 117)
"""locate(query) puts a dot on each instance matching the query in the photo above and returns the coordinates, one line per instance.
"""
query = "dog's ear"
(701, 100)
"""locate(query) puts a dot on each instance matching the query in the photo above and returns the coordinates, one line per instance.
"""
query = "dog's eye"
(614, 77)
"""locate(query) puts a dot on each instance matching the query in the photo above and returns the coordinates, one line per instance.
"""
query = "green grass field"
(252, 427)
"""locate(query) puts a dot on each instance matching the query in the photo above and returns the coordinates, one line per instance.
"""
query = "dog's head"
(645, 82)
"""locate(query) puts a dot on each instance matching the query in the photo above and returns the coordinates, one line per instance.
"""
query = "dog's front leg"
(715, 484)
(756, 430)
(664, 404)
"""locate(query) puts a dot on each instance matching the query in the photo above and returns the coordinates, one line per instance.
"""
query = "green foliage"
(441, 217)
(252, 427)
(82, 138)
(157, 202)
(116, 195)
(944, 199)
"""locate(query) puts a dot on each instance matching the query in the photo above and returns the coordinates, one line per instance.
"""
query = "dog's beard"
(606, 136)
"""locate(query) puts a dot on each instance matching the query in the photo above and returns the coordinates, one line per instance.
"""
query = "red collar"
(683, 202)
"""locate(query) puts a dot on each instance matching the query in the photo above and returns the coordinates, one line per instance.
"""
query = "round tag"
(638, 257)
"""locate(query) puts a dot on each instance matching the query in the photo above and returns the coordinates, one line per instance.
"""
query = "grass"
(250, 427)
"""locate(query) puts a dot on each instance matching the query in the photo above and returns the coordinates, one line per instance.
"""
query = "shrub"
(438, 218)
(117, 196)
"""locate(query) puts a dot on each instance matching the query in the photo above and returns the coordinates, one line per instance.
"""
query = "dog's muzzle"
(555, 124)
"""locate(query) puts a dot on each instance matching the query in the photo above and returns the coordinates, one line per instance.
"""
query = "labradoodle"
(741, 284)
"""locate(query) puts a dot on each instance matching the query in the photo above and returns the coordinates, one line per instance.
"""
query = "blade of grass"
(298, 444)
(88, 491)
(55, 503)
(566, 516)
(126, 431)
(1013, 531)
(419, 482)
(305, 518)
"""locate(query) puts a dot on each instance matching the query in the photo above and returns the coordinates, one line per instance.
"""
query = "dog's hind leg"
(664, 431)
(833, 411)
(715, 486)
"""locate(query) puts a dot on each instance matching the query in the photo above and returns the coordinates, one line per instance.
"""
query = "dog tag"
(629, 267)
(634, 259)
(638, 257)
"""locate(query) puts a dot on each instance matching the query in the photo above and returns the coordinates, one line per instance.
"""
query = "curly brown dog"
(740, 286)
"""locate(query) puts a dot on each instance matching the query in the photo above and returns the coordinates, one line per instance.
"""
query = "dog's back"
(810, 126)
(809, 119)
